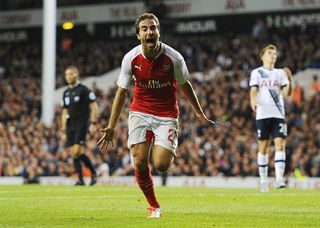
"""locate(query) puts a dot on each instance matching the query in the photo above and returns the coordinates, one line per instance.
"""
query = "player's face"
(70, 76)
(269, 56)
(149, 34)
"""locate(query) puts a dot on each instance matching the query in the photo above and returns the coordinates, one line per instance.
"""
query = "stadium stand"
(220, 66)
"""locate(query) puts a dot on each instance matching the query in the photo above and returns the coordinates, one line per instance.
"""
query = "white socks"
(263, 162)
(280, 164)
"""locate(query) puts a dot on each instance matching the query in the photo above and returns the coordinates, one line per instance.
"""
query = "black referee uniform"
(77, 101)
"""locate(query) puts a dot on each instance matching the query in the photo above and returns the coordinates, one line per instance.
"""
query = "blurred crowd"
(220, 67)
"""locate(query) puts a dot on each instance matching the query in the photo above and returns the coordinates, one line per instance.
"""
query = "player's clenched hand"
(106, 138)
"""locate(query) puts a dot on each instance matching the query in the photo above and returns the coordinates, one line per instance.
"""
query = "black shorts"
(76, 132)
(271, 126)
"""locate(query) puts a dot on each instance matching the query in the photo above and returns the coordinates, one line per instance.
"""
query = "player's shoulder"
(82, 87)
(171, 52)
(279, 70)
(256, 70)
(134, 52)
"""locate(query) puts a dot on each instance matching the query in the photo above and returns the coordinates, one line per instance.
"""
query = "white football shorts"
(162, 131)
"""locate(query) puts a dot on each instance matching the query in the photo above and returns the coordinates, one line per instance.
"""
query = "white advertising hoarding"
(122, 12)
(78, 15)
(190, 8)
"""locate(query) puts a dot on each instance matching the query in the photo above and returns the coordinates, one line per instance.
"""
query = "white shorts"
(145, 127)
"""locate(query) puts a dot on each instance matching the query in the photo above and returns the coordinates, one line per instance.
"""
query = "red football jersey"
(155, 80)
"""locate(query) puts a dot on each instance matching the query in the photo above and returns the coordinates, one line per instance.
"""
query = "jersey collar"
(160, 51)
(77, 83)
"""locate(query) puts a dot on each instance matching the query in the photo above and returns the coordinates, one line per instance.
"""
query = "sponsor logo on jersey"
(154, 84)
(270, 84)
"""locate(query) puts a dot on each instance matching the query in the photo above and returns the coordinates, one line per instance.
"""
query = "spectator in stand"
(315, 86)
(220, 85)
(298, 94)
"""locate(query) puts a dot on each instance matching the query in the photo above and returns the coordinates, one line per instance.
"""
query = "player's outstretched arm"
(117, 107)
(93, 116)
(288, 88)
(193, 100)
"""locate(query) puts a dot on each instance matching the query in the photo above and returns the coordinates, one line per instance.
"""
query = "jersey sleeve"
(254, 79)
(90, 95)
(181, 73)
(284, 79)
(125, 76)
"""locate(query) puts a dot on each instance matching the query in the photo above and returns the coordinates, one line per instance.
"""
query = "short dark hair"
(74, 69)
(143, 17)
(269, 46)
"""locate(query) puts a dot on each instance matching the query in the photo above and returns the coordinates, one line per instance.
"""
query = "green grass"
(103, 206)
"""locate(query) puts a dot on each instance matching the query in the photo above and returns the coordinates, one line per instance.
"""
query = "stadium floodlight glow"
(67, 25)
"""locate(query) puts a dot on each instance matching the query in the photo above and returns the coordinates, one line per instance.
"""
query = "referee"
(80, 112)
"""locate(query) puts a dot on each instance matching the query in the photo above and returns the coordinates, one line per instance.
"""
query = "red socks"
(145, 183)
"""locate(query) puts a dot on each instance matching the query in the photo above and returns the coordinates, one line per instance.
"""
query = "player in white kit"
(268, 87)
(157, 71)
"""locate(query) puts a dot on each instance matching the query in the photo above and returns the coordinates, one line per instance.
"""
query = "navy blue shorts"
(271, 126)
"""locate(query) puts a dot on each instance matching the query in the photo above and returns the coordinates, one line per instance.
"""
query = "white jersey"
(270, 102)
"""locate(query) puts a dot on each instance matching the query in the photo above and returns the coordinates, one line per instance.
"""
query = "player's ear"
(138, 36)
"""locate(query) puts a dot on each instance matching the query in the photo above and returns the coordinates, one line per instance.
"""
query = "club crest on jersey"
(166, 67)
(263, 75)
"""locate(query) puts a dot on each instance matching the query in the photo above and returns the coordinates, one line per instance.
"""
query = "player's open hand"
(204, 119)
(106, 138)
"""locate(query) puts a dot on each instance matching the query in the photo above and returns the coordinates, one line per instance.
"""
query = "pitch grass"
(103, 206)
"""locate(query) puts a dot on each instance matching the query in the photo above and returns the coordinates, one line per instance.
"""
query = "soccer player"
(80, 111)
(157, 70)
(268, 85)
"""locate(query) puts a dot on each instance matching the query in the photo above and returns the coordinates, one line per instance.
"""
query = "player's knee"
(141, 164)
(76, 151)
(280, 144)
(73, 153)
(161, 166)
(280, 148)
